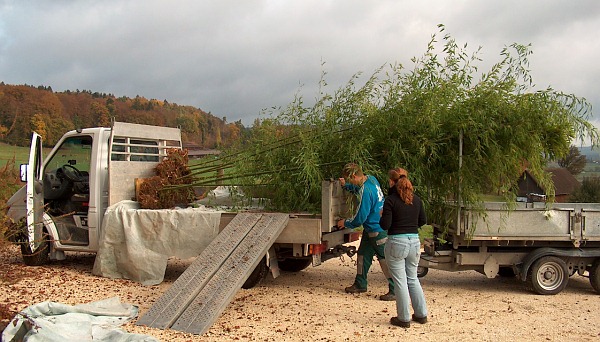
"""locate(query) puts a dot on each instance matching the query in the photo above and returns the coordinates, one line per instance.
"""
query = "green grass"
(18, 153)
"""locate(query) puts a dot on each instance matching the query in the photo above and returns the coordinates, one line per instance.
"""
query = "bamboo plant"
(414, 118)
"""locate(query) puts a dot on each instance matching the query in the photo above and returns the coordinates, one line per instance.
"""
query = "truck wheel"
(38, 257)
(294, 265)
(259, 273)
(422, 271)
(548, 275)
(595, 275)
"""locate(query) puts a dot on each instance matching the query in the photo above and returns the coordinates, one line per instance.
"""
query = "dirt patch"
(312, 305)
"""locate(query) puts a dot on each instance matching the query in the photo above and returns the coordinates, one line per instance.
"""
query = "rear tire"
(260, 272)
(293, 265)
(548, 275)
(595, 275)
(422, 271)
(38, 257)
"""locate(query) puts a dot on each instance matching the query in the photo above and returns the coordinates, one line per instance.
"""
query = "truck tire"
(259, 273)
(595, 275)
(38, 257)
(294, 265)
(422, 271)
(548, 275)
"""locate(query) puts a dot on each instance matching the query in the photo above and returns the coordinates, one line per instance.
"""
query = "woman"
(402, 216)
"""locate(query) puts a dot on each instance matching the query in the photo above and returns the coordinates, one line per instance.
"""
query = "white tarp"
(56, 322)
(137, 243)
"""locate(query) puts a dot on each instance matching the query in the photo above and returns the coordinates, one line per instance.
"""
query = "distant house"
(564, 185)
(196, 152)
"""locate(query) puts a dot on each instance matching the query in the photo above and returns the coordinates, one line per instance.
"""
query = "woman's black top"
(401, 218)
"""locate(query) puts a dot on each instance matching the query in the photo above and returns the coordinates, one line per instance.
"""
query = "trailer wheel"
(294, 265)
(38, 257)
(259, 273)
(595, 275)
(422, 271)
(548, 275)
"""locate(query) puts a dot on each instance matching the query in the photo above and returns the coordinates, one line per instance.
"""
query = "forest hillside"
(25, 108)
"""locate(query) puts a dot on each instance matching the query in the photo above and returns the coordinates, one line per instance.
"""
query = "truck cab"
(62, 206)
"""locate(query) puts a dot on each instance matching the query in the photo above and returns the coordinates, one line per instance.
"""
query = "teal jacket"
(370, 205)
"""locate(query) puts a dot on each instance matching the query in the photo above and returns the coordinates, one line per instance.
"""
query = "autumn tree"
(38, 124)
(100, 114)
(232, 133)
(573, 161)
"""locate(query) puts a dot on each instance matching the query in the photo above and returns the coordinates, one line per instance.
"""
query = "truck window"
(74, 151)
(126, 149)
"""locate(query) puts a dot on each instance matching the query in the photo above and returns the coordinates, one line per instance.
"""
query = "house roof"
(564, 182)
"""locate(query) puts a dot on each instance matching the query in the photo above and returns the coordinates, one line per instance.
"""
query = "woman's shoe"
(397, 322)
(421, 320)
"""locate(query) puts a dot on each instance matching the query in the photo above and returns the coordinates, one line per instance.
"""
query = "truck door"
(35, 193)
(67, 189)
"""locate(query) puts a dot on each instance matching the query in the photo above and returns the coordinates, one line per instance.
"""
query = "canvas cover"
(57, 322)
(137, 243)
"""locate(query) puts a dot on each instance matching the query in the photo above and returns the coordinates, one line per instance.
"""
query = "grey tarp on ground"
(136, 243)
(56, 322)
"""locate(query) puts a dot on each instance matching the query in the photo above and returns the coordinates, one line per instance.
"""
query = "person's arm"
(362, 213)
(386, 216)
(349, 187)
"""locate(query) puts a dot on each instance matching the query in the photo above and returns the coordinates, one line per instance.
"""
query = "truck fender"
(50, 227)
(530, 258)
(16, 212)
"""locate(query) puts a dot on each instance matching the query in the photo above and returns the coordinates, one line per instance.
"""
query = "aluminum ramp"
(197, 298)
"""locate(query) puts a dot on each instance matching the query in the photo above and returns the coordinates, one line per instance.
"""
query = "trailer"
(542, 244)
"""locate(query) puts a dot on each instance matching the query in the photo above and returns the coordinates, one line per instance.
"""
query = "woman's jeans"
(402, 252)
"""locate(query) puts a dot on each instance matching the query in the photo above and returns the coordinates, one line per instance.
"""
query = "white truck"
(63, 205)
(542, 244)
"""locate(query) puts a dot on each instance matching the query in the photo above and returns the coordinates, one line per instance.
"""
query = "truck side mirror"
(23, 172)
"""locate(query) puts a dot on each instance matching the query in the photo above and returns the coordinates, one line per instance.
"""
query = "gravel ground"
(312, 305)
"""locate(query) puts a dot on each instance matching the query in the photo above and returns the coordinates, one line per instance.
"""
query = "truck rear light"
(352, 237)
(317, 248)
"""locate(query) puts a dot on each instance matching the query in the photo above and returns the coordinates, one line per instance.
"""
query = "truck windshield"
(74, 151)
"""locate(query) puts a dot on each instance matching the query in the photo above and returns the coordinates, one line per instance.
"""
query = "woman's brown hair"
(403, 186)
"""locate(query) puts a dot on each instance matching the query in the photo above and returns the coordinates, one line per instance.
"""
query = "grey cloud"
(234, 58)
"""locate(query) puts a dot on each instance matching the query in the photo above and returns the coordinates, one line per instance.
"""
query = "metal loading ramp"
(197, 298)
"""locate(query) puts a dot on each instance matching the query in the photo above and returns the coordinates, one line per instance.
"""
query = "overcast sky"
(235, 58)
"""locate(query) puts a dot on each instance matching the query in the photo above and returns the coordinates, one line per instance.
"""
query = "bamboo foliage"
(413, 119)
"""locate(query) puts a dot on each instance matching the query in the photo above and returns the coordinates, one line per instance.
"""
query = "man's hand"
(342, 181)
(340, 224)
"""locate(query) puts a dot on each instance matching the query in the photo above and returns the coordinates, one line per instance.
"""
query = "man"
(368, 214)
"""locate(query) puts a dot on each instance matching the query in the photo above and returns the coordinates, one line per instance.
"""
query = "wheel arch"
(530, 258)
